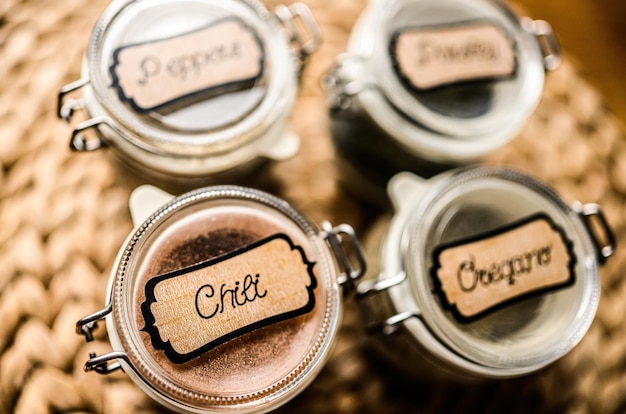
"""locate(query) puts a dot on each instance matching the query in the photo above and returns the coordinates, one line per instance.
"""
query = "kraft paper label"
(225, 56)
(192, 310)
(427, 58)
(474, 277)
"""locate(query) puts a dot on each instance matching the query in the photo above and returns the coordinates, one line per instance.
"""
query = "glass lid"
(503, 271)
(226, 298)
(190, 71)
(458, 68)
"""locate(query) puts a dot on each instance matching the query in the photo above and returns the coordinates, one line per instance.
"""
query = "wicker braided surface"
(64, 215)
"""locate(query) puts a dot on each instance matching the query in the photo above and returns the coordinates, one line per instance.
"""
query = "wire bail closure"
(350, 272)
(604, 243)
(301, 27)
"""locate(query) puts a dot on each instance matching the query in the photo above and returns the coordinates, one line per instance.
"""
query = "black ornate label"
(429, 57)
(192, 310)
(224, 56)
(476, 276)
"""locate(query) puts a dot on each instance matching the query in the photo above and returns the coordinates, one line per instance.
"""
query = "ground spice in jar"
(266, 354)
(225, 298)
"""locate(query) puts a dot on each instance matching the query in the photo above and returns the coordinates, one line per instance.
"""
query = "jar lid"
(436, 71)
(224, 299)
(499, 268)
(190, 74)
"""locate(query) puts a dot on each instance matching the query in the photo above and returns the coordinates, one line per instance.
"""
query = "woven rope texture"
(64, 215)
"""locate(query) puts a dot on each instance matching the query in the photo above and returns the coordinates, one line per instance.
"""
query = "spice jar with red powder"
(223, 299)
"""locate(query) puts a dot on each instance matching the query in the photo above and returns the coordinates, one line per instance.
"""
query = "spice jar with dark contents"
(224, 299)
(191, 92)
(426, 85)
(482, 272)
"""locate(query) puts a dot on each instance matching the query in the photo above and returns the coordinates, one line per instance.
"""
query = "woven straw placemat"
(64, 215)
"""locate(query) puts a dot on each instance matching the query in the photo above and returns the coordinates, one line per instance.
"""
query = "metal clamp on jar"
(188, 90)
(426, 85)
(224, 299)
(483, 273)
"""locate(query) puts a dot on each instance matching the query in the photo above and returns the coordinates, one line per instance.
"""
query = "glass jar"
(183, 90)
(428, 85)
(223, 299)
(484, 272)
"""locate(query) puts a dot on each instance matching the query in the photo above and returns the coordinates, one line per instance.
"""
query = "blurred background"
(593, 34)
(63, 216)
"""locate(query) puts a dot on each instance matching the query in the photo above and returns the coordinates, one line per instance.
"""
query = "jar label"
(190, 311)
(477, 276)
(222, 57)
(430, 57)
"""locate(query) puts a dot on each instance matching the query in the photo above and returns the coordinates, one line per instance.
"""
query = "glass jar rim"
(370, 42)
(146, 373)
(281, 81)
(434, 316)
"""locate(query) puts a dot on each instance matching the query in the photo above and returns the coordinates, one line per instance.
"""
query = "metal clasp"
(548, 43)
(67, 107)
(604, 243)
(89, 323)
(391, 325)
(337, 99)
(302, 29)
(368, 288)
(79, 140)
(99, 364)
(341, 84)
(343, 251)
